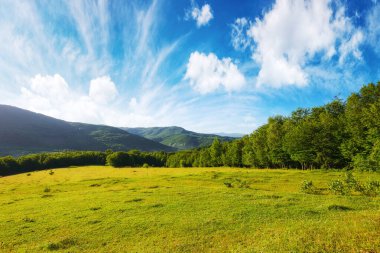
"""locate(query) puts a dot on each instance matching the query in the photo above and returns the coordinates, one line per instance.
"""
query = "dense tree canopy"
(340, 134)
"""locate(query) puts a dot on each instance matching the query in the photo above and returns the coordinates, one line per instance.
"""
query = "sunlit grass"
(102, 209)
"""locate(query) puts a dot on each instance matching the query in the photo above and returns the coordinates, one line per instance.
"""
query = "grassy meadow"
(103, 209)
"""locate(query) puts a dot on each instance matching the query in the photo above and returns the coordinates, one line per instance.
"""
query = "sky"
(208, 66)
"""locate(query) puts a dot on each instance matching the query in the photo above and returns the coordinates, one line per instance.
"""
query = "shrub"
(338, 187)
(363, 163)
(351, 182)
(307, 186)
(145, 165)
(244, 184)
(119, 159)
(371, 188)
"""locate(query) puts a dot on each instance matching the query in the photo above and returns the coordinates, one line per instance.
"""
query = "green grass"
(102, 209)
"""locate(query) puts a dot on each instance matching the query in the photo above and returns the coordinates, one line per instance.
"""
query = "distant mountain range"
(234, 135)
(177, 137)
(23, 132)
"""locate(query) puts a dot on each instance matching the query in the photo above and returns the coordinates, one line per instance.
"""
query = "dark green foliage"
(136, 158)
(10, 165)
(119, 159)
(334, 136)
(44, 161)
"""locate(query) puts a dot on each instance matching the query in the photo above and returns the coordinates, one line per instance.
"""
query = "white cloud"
(291, 34)
(239, 39)
(373, 28)
(206, 73)
(51, 95)
(50, 86)
(103, 90)
(351, 46)
(202, 16)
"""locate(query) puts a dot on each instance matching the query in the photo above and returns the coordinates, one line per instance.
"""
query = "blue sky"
(208, 66)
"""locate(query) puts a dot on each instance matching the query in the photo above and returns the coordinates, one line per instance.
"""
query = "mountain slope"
(118, 139)
(23, 132)
(177, 137)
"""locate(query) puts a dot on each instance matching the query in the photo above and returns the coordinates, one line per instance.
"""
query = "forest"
(338, 135)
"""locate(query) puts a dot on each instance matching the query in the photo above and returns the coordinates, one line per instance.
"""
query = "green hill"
(177, 137)
(23, 132)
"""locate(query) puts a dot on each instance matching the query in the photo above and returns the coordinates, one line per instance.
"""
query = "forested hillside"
(337, 135)
(24, 132)
(177, 137)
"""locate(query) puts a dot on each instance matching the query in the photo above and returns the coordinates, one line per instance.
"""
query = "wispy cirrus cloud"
(71, 75)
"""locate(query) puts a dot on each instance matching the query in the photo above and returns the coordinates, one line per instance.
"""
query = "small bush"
(338, 187)
(244, 184)
(350, 181)
(371, 188)
(145, 165)
(47, 189)
(307, 186)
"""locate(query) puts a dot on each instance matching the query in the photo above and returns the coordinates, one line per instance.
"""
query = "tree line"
(13, 165)
(340, 134)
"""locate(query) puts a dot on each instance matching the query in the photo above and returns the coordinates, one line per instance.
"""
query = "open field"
(102, 209)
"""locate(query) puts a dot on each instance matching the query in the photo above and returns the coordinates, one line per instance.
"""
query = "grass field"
(102, 209)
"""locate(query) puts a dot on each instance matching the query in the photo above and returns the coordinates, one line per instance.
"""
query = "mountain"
(176, 137)
(23, 132)
(234, 135)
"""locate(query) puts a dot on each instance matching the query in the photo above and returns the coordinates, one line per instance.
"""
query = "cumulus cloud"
(53, 96)
(291, 34)
(206, 73)
(102, 89)
(50, 86)
(203, 15)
